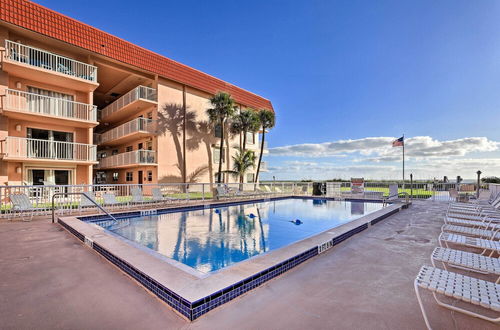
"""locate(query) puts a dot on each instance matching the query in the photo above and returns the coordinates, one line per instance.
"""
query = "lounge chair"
(110, 201)
(223, 191)
(470, 231)
(20, 204)
(467, 261)
(158, 196)
(85, 202)
(137, 197)
(472, 242)
(485, 222)
(459, 287)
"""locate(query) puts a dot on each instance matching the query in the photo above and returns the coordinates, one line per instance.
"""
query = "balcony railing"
(137, 157)
(138, 125)
(140, 92)
(46, 105)
(19, 147)
(43, 59)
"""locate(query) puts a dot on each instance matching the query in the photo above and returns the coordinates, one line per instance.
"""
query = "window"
(216, 155)
(149, 145)
(150, 115)
(115, 176)
(150, 176)
(250, 138)
(218, 131)
(139, 146)
(250, 178)
(130, 176)
(129, 149)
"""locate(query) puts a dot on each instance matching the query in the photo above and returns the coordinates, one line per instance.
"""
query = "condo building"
(80, 106)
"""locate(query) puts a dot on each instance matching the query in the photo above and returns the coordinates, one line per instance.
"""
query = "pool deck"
(49, 279)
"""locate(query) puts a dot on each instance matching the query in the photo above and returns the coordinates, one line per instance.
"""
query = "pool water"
(210, 239)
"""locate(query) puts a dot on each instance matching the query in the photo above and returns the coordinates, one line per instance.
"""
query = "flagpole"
(404, 161)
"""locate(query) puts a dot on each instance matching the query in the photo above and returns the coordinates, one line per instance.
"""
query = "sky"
(345, 77)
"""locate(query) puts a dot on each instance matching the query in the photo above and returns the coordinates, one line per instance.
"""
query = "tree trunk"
(221, 152)
(261, 152)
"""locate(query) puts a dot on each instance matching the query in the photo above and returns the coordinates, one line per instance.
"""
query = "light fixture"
(18, 127)
(18, 85)
(18, 170)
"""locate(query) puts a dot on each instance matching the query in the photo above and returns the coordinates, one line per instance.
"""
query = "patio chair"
(222, 192)
(110, 201)
(491, 205)
(473, 232)
(472, 242)
(158, 196)
(468, 261)
(85, 202)
(485, 222)
(21, 204)
(458, 287)
(137, 197)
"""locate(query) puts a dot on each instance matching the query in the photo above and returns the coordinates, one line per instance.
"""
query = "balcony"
(24, 149)
(24, 105)
(40, 65)
(138, 99)
(129, 159)
(130, 131)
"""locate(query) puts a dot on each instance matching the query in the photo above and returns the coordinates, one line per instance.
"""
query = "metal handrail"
(86, 196)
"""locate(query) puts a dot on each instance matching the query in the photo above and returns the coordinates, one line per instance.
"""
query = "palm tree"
(223, 109)
(244, 122)
(242, 162)
(267, 120)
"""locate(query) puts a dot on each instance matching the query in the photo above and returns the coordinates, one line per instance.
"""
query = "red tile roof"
(31, 16)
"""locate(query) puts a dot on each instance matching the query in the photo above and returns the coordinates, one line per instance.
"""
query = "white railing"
(40, 196)
(128, 158)
(43, 59)
(18, 147)
(143, 125)
(140, 92)
(46, 105)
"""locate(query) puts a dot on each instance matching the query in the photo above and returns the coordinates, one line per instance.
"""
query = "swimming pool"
(209, 239)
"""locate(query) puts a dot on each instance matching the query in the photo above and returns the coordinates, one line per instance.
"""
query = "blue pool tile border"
(195, 309)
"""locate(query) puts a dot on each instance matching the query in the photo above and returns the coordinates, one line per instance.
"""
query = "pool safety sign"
(357, 185)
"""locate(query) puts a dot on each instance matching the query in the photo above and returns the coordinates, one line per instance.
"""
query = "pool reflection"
(211, 239)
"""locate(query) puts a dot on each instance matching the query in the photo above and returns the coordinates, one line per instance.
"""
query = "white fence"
(24, 148)
(143, 125)
(46, 105)
(138, 157)
(43, 59)
(140, 92)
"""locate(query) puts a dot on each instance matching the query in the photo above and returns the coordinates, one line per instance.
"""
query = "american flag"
(399, 142)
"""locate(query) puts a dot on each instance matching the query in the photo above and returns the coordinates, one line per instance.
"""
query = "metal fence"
(40, 196)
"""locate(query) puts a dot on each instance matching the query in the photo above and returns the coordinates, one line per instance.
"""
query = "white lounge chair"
(85, 202)
(473, 232)
(467, 261)
(21, 204)
(485, 223)
(137, 197)
(459, 287)
(485, 245)
(223, 192)
(158, 196)
(110, 201)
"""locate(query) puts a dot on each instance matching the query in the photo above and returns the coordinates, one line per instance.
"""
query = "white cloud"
(416, 147)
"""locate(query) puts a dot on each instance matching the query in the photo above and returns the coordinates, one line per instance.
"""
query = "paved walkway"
(49, 280)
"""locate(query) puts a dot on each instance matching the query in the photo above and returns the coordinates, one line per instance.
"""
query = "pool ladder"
(81, 194)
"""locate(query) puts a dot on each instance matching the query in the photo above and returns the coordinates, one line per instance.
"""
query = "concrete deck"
(51, 280)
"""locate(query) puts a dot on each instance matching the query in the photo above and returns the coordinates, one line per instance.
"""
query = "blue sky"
(340, 71)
